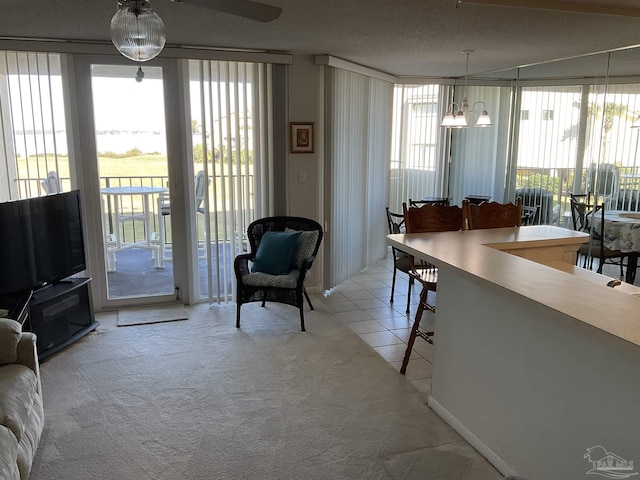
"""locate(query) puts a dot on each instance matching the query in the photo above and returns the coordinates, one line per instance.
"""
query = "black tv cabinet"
(60, 314)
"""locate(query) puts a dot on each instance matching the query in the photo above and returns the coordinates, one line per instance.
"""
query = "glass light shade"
(460, 121)
(484, 120)
(137, 31)
(448, 120)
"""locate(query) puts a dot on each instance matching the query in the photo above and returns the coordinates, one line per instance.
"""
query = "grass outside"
(144, 169)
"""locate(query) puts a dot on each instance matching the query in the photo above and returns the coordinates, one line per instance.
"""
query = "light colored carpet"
(204, 400)
(142, 316)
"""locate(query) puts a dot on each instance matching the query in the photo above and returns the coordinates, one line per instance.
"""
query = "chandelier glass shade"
(457, 115)
(137, 31)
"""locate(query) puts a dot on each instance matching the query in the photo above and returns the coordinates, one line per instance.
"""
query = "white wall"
(306, 104)
(535, 387)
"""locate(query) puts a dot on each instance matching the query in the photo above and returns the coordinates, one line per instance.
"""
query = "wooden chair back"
(492, 214)
(432, 217)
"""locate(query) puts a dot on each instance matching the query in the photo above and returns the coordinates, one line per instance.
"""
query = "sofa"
(21, 412)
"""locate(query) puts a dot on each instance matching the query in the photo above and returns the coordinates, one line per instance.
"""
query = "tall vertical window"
(231, 124)
(416, 168)
(611, 163)
(33, 142)
(547, 151)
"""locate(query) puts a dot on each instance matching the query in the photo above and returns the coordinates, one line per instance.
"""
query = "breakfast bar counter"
(535, 361)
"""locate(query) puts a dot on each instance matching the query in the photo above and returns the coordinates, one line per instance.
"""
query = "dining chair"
(580, 211)
(492, 214)
(401, 259)
(597, 245)
(431, 217)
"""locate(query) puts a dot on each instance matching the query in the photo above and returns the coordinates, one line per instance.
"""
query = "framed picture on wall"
(301, 137)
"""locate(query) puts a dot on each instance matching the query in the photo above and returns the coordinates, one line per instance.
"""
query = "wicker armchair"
(286, 287)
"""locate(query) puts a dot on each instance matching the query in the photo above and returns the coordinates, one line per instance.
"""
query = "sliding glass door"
(131, 149)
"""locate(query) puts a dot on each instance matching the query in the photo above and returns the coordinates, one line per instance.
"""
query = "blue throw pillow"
(275, 253)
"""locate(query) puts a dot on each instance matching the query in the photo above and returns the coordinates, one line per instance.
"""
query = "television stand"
(60, 314)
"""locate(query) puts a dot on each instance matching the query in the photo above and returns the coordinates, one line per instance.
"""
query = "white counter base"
(532, 365)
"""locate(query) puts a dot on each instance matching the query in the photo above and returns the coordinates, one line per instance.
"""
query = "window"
(416, 169)
(547, 115)
(33, 142)
(229, 109)
(524, 114)
(425, 109)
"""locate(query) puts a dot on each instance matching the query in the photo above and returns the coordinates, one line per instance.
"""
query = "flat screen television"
(41, 241)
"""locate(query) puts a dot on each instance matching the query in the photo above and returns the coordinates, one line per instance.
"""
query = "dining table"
(622, 232)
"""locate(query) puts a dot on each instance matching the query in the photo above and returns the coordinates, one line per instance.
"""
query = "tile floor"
(362, 303)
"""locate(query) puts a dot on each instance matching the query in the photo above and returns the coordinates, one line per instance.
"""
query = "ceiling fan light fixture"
(137, 31)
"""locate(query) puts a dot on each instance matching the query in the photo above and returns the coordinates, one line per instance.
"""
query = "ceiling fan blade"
(560, 6)
(260, 12)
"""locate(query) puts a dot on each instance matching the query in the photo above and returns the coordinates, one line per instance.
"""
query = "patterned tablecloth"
(621, 230)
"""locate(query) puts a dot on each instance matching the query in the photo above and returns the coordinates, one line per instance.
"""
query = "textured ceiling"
(400, 37)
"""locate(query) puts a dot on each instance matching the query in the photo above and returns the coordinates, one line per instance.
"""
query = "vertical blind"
(232, 120)
(33, 133)
(479, 155)
(417, 163)
(359, 119)
(612, 166)
(578, 139)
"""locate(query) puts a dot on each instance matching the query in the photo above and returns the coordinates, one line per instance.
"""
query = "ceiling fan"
(258, 11)
(598, 8)
(137, 31)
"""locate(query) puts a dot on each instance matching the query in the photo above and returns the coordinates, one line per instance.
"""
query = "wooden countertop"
(476, 253)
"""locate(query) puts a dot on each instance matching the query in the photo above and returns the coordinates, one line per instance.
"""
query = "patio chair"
(543, 200)
(431, 217)
(51, 184)
(528, 214)
(164, 209)
(492, 214)
(603, 182)
(282, 252)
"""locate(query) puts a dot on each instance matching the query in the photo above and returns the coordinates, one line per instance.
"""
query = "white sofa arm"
(28, 353)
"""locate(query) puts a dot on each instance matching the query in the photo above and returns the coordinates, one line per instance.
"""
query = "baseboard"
(470, 437)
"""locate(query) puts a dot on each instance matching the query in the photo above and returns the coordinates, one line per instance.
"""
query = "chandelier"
(458, 115)
(137, 31)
